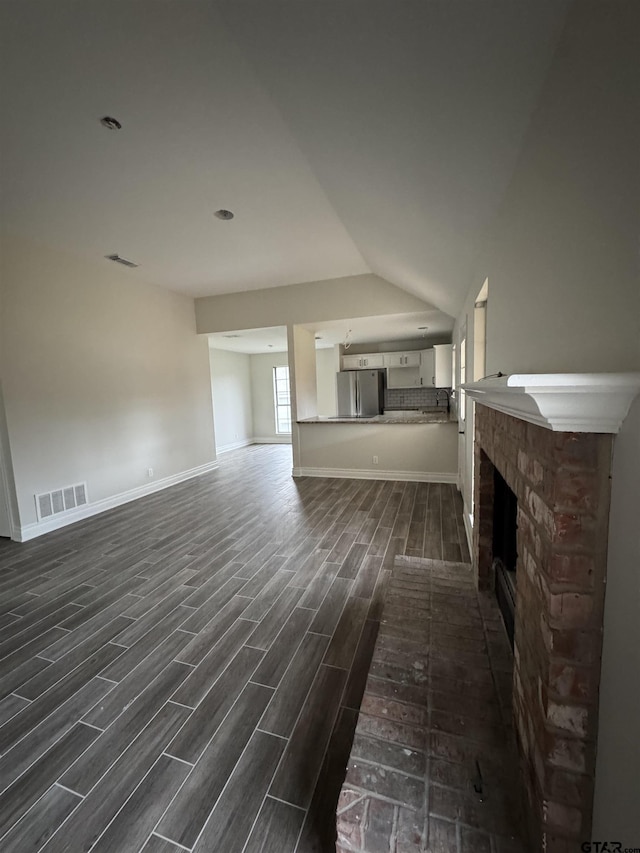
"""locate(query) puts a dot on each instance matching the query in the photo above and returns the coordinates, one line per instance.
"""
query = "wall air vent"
(119, 260)
(53, 503)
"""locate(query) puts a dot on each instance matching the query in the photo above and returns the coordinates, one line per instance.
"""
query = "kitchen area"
(395, 418)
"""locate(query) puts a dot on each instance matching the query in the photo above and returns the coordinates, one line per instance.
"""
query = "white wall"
(564, 293)
(264, 416)
(8, 506)
(407, 345)
(309, 302)
(564, 297)
(405, 451)
(232, 402)
(616, 814)
(562, 256)
(302, 373)
(103, 377)
(5, 518)
(327, 365)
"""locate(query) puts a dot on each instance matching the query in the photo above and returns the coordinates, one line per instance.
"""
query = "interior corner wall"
(562, 266)
(365, 295)
(302, 374)
(103, 377)
(232, 400)
(302, 370)
(327, 365)
(561, 257)
(563, 261)
(8, 502)
(264, 415)
(616, 815)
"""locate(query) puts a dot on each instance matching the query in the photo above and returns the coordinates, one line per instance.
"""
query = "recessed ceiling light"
(110, 123)
(224, 214)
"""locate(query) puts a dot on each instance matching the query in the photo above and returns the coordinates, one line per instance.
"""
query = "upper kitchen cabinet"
(427, 368)
(443, 370)
(402, 359)
(366, 361)
(417, 373)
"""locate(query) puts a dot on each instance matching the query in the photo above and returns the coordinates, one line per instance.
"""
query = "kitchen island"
(389, 417)
(402, 445)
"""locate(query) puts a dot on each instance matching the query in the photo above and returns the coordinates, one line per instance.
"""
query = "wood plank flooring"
(185, 672)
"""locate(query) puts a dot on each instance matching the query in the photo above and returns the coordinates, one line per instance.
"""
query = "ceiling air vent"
(61, 500)
(119, 260)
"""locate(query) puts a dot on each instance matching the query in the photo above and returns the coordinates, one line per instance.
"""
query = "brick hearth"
(433, 767)
(561, 481)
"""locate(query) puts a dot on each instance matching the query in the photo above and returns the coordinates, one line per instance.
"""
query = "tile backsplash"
(413, 398)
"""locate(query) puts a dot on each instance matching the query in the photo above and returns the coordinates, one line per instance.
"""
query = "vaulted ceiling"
(346, 136)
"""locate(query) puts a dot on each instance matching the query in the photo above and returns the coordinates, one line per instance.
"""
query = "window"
(480, 333)
(282, 400)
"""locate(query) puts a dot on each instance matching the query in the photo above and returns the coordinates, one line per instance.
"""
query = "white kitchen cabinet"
(403, 377)
(404, 369)
(427, 368)
(443, 365)
(351, 362)
(402, 359)
(365, 361)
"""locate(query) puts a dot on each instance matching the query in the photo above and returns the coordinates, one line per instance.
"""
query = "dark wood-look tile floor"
(185, 672)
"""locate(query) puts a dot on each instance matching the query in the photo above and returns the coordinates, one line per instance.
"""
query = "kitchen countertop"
(428, 416)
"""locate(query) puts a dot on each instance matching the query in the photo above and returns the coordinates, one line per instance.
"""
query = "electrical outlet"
(375, 460)
(150, 472)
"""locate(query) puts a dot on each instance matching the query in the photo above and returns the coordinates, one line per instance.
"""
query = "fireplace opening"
(505, 552)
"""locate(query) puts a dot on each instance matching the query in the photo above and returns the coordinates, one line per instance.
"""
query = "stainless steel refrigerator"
(360, 393)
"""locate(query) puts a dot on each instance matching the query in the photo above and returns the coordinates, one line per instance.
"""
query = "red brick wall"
(561, 481)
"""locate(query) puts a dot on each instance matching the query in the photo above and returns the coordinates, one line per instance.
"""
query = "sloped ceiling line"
(346, 137)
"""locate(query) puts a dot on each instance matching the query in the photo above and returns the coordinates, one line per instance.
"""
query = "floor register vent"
(53, 503)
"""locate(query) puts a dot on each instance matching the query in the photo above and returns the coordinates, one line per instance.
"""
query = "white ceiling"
(251, 341)
(358, 330)
(347, 137)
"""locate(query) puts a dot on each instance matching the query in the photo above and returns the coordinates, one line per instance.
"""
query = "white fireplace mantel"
(563, 402)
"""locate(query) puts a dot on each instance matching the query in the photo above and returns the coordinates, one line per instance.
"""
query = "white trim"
(31, 531)
(468, 527)
(365, 474)
(563, 402)
(236, 445)
(247, 442)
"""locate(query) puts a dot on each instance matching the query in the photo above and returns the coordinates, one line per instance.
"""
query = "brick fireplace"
(561, 483)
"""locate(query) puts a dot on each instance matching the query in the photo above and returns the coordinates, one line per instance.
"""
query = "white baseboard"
(284, 439)
(236, 445)
(39, 528)
(364, 474)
